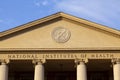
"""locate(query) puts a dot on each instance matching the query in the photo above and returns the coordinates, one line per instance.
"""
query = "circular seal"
(61, 34)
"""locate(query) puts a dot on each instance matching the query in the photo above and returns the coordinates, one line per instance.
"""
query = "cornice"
(58, 15)
(91, 24)
(30, 24)
(61, 49)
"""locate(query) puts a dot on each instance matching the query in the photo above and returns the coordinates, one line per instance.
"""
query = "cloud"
(40, 3)
(37, 4)
(103, 11)
(45, 3)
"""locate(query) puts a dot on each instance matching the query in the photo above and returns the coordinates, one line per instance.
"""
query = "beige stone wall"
(81, 37)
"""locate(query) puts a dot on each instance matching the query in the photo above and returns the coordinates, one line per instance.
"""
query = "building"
(60, 47)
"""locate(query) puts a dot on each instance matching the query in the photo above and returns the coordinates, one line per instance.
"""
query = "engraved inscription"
(60, 56)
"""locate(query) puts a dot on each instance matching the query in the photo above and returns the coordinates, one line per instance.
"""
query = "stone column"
(116, 69)
(3, 70)
(39, 69)
(81, 70)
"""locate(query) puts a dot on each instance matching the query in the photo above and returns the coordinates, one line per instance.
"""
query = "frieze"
(59, 56)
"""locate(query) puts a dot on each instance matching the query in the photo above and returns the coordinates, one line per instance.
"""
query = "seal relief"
(61, 34)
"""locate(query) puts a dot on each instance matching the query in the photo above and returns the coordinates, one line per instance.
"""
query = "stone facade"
(60, 46)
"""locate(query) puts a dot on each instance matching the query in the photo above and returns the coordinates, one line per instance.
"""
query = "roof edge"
(29, 24)
(90, 23)
(56, 15)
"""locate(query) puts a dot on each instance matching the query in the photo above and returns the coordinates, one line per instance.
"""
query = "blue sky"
(17, 12)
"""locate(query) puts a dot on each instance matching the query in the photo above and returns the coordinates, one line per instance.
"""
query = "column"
(116, 69)
(3, 70)
(39, 70)
(81, 70)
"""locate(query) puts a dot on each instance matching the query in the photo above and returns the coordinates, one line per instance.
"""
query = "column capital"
(38, 61)
(115, 60)
(79, 61)
(4, 61)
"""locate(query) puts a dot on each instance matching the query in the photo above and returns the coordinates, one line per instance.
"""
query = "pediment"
(60, 31)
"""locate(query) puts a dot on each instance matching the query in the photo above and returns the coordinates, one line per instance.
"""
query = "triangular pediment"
(60, 31)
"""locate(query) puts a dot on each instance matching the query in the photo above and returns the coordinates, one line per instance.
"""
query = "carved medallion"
(61, 34)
